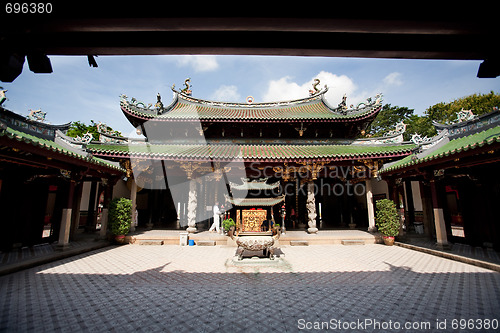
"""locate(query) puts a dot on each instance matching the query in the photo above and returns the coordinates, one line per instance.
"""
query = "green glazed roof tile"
(52, 146)
(250, 152)
(187, 108)
(452, 147)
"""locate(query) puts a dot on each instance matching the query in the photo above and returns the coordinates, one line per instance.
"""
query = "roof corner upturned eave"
(185, 108)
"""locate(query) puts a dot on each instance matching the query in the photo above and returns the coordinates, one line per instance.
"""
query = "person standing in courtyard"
(216, 223)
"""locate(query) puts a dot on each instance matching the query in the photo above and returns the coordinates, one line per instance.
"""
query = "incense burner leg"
(271, 252)
(239, 253)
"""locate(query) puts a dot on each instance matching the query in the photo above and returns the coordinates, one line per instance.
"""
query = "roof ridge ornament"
(186, 90)
(159, 104)
(399, 129)
(343, 105)
(2, 96)
(37, 115)
(417, 139)
(86, 139)
(315, 87)
(465, 115)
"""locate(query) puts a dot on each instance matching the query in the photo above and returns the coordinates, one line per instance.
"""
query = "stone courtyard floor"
(203, 289)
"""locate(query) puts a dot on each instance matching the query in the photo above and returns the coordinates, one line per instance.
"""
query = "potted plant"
(276, 228)
(227, 224)
(120, 217)
(387, 220)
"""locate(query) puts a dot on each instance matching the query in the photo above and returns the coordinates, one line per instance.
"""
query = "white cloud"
(338, 85)
(226, 94)
(199, 63)
(283, 89)
(393, 79)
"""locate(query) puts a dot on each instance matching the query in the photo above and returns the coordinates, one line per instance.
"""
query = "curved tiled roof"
(51, 146)
(251, 152)
(186, 108)
(255, 202)
(451, 148)
(254, 185)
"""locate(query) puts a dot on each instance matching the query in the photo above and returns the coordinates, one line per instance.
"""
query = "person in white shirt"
(216, 224)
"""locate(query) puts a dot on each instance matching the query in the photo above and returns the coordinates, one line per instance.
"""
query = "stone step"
(205, 243)
(149, 241)
(353, 242)
(299, 243)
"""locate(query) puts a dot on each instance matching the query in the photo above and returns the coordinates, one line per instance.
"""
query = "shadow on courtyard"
(56, 297)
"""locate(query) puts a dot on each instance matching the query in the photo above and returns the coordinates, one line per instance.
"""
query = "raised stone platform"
(353, 242)
(294, 238)
(299, 243)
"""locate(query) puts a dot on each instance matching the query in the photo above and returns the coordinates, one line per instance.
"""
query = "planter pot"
(388, 240)
(352, 225)
(120, 239)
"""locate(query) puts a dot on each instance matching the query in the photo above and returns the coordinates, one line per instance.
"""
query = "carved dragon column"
(311, 208)
(190, 168)
(369, 206)
(313, 172)
(192, 203)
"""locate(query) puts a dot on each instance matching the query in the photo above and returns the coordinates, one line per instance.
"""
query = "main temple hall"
(304, 164)
(305, 155)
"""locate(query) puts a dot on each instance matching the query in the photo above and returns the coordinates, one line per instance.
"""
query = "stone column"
(65, 227)
(108, 194)
(90, 225)
(369, 206)
(133, 198)
(192, 203)
(75, 216)
(441, 237)
(311, 208)
(104, 223)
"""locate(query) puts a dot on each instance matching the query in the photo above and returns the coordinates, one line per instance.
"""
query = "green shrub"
(387, 218)
(120, 215)
(228, 223)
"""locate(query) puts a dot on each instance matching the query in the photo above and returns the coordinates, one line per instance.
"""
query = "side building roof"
(15, 135)
(463, 137)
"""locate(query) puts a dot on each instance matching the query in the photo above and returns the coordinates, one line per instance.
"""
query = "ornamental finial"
(315, 89)
(37, 115)
(186, 90)
(2, 96)
(465, 115)
(159, 104)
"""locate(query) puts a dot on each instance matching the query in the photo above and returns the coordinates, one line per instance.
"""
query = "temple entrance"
(156, 209)
(341, 205)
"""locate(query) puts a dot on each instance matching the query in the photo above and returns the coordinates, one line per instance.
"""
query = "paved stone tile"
(199, 289)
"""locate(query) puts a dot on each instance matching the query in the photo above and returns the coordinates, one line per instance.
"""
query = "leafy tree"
(78, 128)
(387, 118)
(446, 113)
(419, 124)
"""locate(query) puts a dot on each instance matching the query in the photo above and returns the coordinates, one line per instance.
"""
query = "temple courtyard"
(174, 288)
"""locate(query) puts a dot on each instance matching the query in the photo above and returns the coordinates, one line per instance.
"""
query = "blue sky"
(74, 91)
